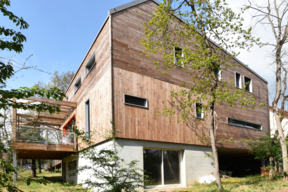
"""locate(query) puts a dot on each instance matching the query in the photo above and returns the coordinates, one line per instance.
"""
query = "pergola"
(37, 134)
(44, 118)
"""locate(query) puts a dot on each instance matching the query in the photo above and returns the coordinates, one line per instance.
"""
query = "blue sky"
(59, 35)
(62, 31)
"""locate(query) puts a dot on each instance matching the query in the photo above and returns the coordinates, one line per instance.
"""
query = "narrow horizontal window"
(136, 101)
(179, 55)
(199, 111)
(241, 123)
(77, 85)
(90, 64)
(248, 84)
(238, 82)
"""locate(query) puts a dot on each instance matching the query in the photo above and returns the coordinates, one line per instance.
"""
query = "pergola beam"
(54, 102)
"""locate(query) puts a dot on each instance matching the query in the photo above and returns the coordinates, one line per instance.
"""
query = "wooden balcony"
(44, 143)
(37, 135)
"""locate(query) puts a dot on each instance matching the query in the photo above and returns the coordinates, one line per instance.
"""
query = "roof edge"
(128, 5)
(88, 52)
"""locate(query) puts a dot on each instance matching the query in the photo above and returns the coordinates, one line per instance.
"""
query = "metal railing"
(46, 136)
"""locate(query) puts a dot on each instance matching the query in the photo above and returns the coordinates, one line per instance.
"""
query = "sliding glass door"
(162, 166)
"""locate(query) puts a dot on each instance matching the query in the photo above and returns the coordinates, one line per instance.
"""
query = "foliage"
(181, 32)
(12, 41)
(109, 172)
(266, 147)
(62, 81)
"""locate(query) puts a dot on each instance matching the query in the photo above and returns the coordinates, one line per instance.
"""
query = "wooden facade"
(120, 70)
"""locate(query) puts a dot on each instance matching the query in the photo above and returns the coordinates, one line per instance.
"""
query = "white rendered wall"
(273, 126)
(195, 163)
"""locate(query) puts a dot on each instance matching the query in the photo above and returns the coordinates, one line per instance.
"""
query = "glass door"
(162, 166)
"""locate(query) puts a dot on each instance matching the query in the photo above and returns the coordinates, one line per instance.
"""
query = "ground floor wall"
(194, 161)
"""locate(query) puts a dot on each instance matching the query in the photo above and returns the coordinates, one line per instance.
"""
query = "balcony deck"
(44, 143)
(37, 134)
(39, 151)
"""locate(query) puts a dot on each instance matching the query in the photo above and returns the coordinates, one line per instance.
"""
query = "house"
(114, 83)
(273, 126)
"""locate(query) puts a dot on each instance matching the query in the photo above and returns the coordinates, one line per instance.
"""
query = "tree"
(184, 40)
(13, 41)
(109, 173)
(273, 14)
(267, 148)
(61, 81)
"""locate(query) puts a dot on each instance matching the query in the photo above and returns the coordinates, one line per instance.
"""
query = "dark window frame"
(240, 80)
(77, 85)
(182, 65)
(142, 106)
(244, 124)
(196, 111)
(250, 84)
(87, 119)
(90, 63)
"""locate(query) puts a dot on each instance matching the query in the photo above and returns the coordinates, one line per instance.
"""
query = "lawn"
(54, 183)
(247, 184)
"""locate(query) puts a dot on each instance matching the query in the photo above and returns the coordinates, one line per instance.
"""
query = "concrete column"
(15, 167)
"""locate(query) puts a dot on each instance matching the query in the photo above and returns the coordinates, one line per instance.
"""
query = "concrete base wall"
(194, 160)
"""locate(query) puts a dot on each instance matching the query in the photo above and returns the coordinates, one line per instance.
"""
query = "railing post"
(75, 144)
(15, 167)
(46, 139)
(14, 124)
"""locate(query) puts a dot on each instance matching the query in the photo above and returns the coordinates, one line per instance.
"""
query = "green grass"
(54, 183)
(247, 184)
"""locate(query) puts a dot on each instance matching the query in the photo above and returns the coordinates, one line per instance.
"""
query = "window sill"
(244, 127)
(136, 106)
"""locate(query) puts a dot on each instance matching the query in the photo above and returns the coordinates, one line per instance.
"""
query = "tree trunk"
(283, 147)
(271, 170)
(214, 148)
(39, 165)
(33, 168)
(275, 109)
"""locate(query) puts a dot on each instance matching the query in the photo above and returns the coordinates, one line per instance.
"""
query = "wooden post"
(46, 139)
(75, 141)
(14, 124)
(15, 167)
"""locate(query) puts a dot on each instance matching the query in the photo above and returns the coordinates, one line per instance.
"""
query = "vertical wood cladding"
(96, 86)
(136, 75)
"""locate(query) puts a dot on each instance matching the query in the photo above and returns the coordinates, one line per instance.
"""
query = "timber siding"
(96, 86)
(136, 75)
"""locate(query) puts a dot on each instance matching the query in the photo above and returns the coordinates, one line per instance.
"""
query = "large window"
(163, 166)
